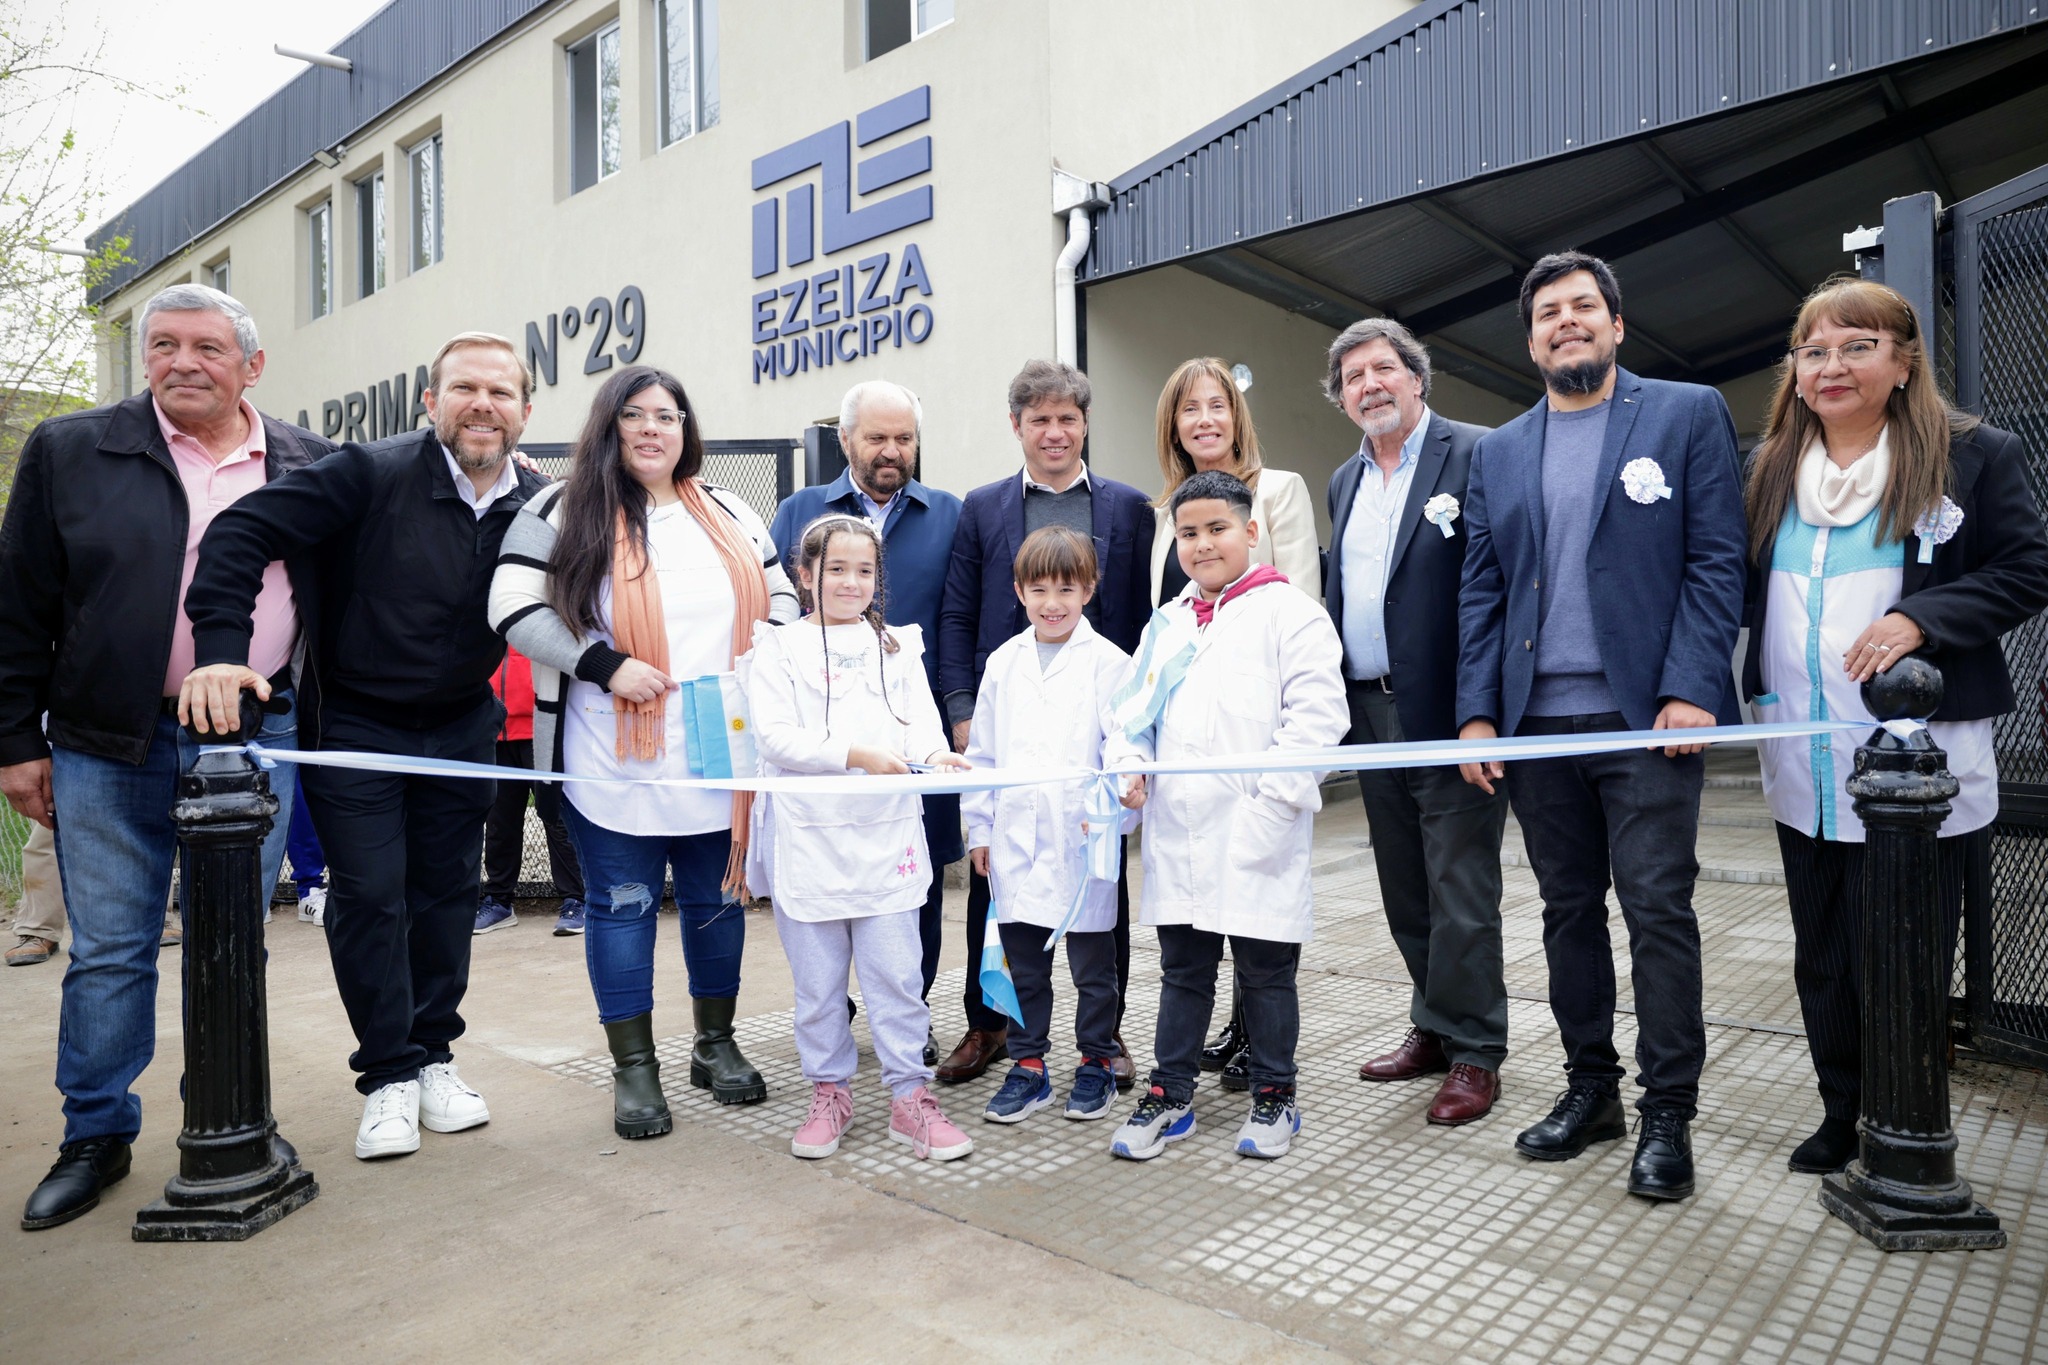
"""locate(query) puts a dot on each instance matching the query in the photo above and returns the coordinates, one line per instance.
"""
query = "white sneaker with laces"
(391, 1121)
(447, 1104)
(313, 906)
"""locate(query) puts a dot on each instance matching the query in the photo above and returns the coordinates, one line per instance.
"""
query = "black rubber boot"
(715, 1061)
(638, 1109)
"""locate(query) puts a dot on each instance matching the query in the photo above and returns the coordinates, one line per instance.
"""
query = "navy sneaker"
(570, 921)
(1155, 1122)
(492, 913)
(1025, 1091)
(1094, 1088)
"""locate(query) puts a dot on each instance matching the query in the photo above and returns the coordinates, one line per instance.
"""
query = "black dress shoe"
(1580, 1119)
(1237, 1075)
(73, 1185)
(931, 1048)
(1663, 1165)
(1829, 1149)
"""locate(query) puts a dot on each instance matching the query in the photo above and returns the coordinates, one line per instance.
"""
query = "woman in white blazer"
(1204, 423)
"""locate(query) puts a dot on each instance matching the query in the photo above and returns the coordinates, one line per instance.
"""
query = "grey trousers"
(1436, 839)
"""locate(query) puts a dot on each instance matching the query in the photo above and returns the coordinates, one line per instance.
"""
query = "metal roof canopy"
(1713, 151)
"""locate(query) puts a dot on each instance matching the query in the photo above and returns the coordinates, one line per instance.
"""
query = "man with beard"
(1397, 551)
(404, 535)
(880, 424)
(1602, 591)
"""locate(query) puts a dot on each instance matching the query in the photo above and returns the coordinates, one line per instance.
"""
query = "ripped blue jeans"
(623, 876)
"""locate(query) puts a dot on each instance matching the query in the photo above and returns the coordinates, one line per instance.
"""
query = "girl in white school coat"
(838, 692)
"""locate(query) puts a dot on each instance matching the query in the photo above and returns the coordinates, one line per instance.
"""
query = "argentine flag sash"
(1165, 652)
(717, 730)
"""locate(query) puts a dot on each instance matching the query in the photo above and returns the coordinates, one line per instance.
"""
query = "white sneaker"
(313, 906)
(391, 1121)
(447, 1105)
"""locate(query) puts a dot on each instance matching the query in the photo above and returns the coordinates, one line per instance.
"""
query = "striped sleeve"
(519, 608)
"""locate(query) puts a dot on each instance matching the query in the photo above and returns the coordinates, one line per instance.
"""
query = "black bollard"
(1902, 1191)
(232, 1181)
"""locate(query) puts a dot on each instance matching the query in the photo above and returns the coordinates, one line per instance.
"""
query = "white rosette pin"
(1937, 526)
(1440, 511)
(1643, 481)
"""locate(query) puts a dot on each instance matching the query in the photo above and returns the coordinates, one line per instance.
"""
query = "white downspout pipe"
(1066, 337)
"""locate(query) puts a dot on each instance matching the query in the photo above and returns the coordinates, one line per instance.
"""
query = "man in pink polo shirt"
(100, 540)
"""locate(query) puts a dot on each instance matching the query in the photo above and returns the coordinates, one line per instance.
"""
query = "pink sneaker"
(831, 1115)
(931, 1135)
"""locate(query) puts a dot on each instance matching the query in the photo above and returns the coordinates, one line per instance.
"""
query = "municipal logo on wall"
(822, 204)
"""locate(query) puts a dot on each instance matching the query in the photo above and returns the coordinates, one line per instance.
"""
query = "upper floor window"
(124, 357)
(594, 137)
(893, 23)
(370, 233)
(423, 174)
(688, 34)
(320, 258)
(219, 276)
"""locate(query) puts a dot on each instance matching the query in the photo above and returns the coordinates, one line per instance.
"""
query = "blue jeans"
(622, 877)
(115, 842)
(302, 843)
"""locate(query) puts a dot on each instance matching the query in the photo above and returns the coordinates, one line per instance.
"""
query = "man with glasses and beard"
(404, 535)
(1602, 591)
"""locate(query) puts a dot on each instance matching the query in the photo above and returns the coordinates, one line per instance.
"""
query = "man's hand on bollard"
(27, 789)
(211, 699)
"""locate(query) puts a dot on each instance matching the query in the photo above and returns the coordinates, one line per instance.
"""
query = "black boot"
(1226, 1044)
(1663, 1165)
(1581, 1117)
(715, 1061)
(638, 1109)
(1829, 1149)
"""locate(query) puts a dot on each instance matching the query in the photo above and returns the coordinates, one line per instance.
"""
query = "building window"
(594, 141)
(689, 66)
(124, 358)
(370, 233)
(893, 23)
(423, 171)
(320, 258)
(218, 276)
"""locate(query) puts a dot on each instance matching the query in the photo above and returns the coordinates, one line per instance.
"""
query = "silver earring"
(1902, 383)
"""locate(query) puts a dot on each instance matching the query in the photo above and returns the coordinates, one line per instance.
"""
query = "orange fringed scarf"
(640, 631)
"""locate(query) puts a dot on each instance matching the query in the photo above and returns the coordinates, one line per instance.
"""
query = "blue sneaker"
(1155, 1122)
(570, 921)
(1025, 1091)
(492, 913)
(1094, 1088)
(1270, 1129)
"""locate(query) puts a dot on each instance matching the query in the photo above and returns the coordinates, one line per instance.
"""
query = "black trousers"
(979, 1015)
(505, 829)
(403, 863)
(1091, 963)
(1824, 883)
(1188, 959)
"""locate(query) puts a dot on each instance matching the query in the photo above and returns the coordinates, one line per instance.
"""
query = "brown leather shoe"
(1419, 1054)
(29, 950)
(1467, 1093)
(976, 1050)
(1121, 1067)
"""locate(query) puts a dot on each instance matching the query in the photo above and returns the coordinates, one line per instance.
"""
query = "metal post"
(231, 1181)
(1902, 1191)
(1912, 262)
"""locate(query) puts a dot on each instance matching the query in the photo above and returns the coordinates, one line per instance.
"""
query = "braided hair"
(812, 547)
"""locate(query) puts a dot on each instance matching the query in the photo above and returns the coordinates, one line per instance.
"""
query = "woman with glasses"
(624, 583)
(1882, 523)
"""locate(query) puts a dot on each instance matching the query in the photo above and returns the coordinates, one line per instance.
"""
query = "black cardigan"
(1988, 578)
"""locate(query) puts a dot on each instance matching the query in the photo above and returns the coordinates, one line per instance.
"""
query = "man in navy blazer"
(880, 425)
(1603, 591)
(1049, 417)
(1397, 553)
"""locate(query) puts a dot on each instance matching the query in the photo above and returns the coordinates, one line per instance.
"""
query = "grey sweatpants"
(889, 955)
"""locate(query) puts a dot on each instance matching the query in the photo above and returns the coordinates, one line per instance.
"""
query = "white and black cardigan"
(520, 611)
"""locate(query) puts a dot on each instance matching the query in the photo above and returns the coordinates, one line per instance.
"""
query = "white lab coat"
(1028, 718)
(838, 857)
(1229, 852)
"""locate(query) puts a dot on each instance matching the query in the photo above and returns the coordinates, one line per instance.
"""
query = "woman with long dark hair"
(631, 579)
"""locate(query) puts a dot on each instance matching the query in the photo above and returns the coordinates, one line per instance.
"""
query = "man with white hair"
(879, 428)
(100, 539)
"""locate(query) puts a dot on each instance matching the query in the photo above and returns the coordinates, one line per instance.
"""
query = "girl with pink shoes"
(840, 692)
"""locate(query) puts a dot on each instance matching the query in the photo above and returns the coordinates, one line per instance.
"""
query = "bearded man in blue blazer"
(1602, 591)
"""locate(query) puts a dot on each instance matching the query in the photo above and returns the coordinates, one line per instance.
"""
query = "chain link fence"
(14, 829)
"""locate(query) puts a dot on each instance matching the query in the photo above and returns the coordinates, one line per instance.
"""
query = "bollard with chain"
(233, 1180)
(1902, 1191)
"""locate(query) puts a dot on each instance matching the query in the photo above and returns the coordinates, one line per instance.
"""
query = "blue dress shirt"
(1368, 549)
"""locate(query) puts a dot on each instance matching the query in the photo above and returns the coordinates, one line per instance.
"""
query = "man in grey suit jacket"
(1397, 551)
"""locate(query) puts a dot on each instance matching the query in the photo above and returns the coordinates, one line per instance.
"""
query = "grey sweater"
(1571, 678)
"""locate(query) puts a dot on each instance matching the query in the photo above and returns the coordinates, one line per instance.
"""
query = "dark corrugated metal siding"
(398, 50)
(1463, 89)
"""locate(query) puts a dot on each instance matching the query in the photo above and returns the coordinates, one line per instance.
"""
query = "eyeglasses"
(668, 419)
(1861, 351)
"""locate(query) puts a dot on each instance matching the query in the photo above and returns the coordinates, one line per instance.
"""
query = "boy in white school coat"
(1044, 696)
(1239, 664)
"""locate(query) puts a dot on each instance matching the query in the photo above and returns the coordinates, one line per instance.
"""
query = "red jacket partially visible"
(514, 686)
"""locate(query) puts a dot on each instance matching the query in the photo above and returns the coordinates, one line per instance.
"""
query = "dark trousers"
(979, 1015)
(944, 843)
(1091, 962)
(1188, 958)
(1436, 840)
(1632, 817)
(1824, 883)
(403, 864)
(505, 830)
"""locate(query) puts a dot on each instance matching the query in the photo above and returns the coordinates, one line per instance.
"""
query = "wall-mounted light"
(327, 59)
(327, 158)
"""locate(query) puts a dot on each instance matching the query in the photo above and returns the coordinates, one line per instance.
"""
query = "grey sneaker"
(1269, 1130)
(1154, 1123)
